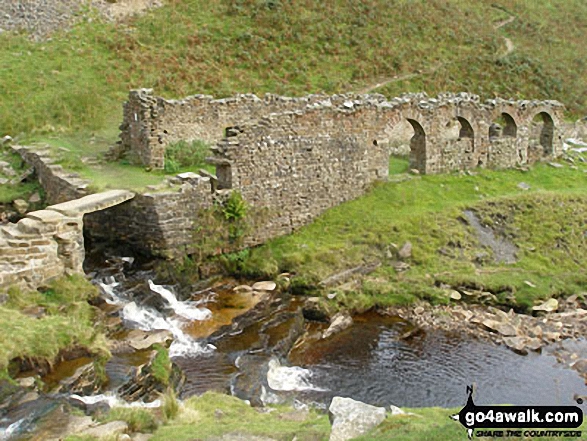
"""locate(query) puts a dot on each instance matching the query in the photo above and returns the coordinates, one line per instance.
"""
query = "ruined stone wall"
(160, 224)
(150, 123)
(59, 185)
(43, 245)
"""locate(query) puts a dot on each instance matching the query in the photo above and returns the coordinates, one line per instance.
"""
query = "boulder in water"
(351, 418)
(339, 322)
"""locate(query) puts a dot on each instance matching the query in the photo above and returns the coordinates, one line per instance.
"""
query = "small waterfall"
(186, 310)
(114, 401)
(148, 319)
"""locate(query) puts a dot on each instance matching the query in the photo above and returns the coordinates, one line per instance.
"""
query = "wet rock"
(264, 286)
(144, 386)
(406, 251)
(140, 340)
(27, 382)
(507, 329)
(314, 310)
(107, 430)
(516, 343)
(339, 322)
(491, 325)
(580, 366)
(351, 418)
(549, 306)
(533, 343)
(84, 381)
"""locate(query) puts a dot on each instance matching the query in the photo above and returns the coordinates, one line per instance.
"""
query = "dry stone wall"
(59, 185)
(160, 224)
(49, 243)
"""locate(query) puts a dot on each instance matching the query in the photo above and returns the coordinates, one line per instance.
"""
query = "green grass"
(68, 322)
(544, 223)
(138, 420)
(161, 366)
(76, 82)
(214, 414)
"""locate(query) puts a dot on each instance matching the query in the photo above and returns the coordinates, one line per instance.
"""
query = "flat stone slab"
(45, 216)
(93, 202)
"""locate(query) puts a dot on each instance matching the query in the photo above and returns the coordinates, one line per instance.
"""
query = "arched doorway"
(418, 147)
(542, 135)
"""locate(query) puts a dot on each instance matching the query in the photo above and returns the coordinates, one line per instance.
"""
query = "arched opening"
(503, 127)
(466, 129)
(542, 134)
(418, 147)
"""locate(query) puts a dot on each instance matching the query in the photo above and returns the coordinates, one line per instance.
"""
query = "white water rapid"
(148, 319)
(286, 378)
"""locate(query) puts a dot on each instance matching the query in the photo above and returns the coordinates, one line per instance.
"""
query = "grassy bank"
(212, 416)
(40, 325)
(544, 222)
(76, 82)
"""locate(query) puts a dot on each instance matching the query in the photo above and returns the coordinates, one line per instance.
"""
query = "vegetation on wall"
(186, 155)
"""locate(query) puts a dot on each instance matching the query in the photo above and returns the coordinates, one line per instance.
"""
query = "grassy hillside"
(75, 83)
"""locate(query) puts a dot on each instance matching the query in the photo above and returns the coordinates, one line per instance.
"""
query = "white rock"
(265, 286)
(351, 418)
(338, 323)
(548, 306)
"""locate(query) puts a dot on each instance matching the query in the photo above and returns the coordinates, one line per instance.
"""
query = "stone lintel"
(92, 202)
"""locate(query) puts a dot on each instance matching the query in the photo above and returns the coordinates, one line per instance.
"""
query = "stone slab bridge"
(49, 243)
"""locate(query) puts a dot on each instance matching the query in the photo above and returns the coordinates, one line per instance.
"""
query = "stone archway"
(418, 147)
(503, 127)
(542, 134)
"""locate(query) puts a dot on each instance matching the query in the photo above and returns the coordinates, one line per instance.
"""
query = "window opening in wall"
(418, 147)
(504, 126)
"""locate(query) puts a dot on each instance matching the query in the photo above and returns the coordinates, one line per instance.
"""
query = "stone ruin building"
(290, 158)
(297, 157)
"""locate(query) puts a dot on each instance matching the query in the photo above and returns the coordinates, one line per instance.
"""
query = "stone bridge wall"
(160, 224)
(49, 243)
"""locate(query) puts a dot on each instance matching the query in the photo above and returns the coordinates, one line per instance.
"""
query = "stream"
(250, 344)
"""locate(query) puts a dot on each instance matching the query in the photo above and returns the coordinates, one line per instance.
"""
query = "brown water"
(371, 363)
